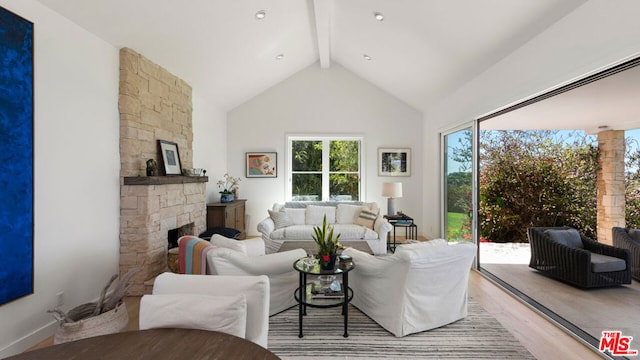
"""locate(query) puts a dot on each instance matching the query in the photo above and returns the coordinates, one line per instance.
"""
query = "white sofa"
(420, 287)
(352, 220)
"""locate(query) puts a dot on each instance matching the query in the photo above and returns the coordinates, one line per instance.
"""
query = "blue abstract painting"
(16, 156)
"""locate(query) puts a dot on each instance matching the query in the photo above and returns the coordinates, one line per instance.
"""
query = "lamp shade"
(392, 189)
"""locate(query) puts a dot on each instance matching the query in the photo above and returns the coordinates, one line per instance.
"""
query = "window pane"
(307, 156)
(344, 155)
(344, 186)
(306, 187)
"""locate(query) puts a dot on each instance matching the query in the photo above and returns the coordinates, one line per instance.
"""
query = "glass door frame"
(473, 126)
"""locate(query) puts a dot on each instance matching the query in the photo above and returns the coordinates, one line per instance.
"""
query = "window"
(324, 168)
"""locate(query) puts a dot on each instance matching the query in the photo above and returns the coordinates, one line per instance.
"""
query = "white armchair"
(420, 287)
(254, 290)
(278, 267)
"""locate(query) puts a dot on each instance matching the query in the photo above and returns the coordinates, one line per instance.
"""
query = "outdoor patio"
(593, 310)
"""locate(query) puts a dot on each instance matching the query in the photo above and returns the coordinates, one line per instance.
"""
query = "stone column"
(611, 191)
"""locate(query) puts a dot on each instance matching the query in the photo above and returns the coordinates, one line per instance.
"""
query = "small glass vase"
(226, 198)
(329, 265)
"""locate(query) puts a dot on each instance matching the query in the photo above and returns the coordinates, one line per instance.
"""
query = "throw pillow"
(280, 218)
(221, 241)
(227, 314)
(568, 237)
(367, 218)
(635, 234)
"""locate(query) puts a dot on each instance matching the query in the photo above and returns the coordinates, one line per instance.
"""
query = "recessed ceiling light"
(378, 16)
(367, 57)
(261, 14)
(279, 56)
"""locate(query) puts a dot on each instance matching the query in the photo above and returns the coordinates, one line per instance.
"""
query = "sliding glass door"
(457, 148)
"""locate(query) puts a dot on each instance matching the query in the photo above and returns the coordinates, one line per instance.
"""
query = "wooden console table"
(228, 215)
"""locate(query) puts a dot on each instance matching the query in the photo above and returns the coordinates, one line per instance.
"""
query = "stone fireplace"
(154, 105)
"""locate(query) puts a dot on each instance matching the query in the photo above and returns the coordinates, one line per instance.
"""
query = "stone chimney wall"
(154, 105)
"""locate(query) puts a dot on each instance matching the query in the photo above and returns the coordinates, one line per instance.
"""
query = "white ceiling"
(422, 50)
(611, 103)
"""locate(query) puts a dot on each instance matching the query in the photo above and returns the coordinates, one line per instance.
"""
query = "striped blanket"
(192, 255)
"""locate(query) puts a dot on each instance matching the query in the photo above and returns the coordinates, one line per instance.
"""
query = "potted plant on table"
(327, 245)
(230, 186)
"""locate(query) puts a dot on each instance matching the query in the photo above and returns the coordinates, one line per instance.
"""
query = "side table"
(403, 221)
(303, 293)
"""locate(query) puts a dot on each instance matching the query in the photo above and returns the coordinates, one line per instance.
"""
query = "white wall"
(323, 101)
(76, 131)
(594, 36)
(209, 142)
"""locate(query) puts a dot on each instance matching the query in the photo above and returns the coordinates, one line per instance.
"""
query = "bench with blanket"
(354, 221)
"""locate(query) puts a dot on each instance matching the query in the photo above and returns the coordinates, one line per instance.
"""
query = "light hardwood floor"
(540, 336)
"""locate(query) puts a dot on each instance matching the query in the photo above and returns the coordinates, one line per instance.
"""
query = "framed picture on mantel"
(170, 157)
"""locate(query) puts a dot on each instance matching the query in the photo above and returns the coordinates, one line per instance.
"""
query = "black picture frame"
(170, 157)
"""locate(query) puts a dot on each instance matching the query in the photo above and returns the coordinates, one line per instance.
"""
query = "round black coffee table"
(310, 297)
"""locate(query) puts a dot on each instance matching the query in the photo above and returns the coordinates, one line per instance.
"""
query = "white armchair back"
(277, 266)
(254, 288)
(420, 287)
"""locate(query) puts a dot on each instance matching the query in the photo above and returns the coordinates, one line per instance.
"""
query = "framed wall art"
(170, 157)
(394, 162)
(262, 164)
(16, 147)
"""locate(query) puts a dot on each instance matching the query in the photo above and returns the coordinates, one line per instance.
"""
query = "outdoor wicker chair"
(568, 256)
(629, 239)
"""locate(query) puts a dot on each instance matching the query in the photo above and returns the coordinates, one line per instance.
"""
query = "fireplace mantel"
(164, 180)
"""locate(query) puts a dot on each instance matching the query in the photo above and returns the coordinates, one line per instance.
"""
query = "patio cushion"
(634, 234)
(567, 237)
(604, 263)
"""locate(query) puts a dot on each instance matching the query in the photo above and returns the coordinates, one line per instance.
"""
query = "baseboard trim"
(30, 340)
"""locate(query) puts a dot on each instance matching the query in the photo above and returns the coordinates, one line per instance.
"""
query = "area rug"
(478, 336)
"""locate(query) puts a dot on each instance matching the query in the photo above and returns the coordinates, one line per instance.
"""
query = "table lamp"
(391, 190)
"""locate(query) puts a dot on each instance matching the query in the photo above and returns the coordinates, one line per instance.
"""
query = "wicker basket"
(109, 322)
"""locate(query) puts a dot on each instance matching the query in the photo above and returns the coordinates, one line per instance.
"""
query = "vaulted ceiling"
(419, 52)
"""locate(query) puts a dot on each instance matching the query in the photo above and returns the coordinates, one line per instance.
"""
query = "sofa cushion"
(280, 218)
(347, 213)
(227, 314)
(297, 216)
(315, 214)
(567, 237)
(634, 234)
(604, 263)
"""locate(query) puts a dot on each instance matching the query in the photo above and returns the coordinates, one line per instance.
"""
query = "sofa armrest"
(266, 226)
(604, 249)
(382, 227)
